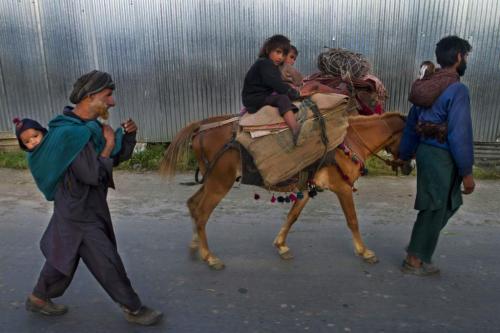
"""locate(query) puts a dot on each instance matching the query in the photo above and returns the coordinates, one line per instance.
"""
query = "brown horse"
(366, 135)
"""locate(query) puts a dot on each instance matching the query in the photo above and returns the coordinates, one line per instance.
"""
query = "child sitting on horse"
(29, 133)
(288, 72)
(263, 84)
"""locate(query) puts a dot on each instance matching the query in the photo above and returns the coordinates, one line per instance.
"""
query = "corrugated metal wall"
(175, 61)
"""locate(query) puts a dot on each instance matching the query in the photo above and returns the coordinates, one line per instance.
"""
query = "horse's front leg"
(293, 215)
(347, 203)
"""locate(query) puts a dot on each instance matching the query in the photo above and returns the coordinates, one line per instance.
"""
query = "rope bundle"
(343, 63)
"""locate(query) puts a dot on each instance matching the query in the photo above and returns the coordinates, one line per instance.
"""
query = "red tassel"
(16, 121)
(292, 197)
(273, 199)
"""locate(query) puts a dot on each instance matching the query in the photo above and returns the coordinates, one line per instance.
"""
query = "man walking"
(74, 167)
(439, 131)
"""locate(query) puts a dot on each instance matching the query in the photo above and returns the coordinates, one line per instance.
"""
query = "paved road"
(324, 289)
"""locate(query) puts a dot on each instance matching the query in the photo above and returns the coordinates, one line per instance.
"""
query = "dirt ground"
(325, 288)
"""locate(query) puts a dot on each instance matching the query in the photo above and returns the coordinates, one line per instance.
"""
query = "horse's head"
(371, 134)
(396, 124)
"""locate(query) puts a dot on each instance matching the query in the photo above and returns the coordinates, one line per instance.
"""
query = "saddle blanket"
(271, 145)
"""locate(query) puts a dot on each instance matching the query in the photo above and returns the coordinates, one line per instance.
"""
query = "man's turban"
(90, 83)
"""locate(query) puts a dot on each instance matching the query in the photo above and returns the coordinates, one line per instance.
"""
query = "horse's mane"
(374, 117)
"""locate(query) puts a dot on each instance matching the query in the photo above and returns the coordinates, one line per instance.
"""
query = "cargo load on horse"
(344, 86)
(345, 72)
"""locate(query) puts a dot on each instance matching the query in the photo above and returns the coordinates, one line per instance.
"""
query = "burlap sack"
(278, 159)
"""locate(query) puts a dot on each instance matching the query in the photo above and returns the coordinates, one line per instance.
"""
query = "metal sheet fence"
(175, 61)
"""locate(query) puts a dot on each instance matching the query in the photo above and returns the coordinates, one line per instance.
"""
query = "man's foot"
(45, 307)
(424, 269)
(144, 316)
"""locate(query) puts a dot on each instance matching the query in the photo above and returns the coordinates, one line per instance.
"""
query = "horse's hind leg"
(201, 205)
(293, 215)
(192, 204)
(347, 203)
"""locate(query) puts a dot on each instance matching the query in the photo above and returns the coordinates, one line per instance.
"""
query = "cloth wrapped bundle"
(344, 64)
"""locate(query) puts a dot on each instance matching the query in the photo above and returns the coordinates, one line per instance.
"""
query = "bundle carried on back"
(274, 154)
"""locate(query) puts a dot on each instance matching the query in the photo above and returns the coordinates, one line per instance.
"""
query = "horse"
(220, 166)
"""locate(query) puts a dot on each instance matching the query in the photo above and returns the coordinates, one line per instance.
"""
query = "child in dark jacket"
(264, 86)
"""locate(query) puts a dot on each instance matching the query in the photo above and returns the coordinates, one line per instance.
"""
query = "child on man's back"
(29, 133)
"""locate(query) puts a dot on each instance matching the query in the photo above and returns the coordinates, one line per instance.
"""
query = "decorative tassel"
(273, 199)
(312, 192)
(256, 196)
(281, 199)
(287, 199)
(300, 195)
(292, 197)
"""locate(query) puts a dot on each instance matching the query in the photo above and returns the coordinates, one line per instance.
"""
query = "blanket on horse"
(275, 156)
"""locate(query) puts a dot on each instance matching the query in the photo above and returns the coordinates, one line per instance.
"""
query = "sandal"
(425, 269)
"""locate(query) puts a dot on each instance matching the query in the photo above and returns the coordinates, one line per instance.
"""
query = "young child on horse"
(29, 133)
(263, 84)
(288, 72)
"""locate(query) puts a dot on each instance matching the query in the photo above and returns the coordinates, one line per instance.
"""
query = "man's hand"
(109, 136)
(129, 126)
(469, 184)
(406, 166)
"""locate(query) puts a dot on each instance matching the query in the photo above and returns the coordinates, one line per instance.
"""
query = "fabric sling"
(67, 136)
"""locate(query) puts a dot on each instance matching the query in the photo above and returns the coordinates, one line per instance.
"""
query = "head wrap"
(23, 125)
(90, 83)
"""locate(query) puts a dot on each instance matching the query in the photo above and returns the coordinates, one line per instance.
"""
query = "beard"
(461, 68)
(101, 110)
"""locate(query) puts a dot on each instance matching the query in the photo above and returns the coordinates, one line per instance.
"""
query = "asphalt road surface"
(325, 288)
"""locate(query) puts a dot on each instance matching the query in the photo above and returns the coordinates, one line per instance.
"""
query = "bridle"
(359, 140)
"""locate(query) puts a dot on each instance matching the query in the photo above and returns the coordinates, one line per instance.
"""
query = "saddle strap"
(228, 145)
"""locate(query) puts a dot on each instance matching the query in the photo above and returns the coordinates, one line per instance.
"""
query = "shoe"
(424, 270)
(144, 316)
(45, 307)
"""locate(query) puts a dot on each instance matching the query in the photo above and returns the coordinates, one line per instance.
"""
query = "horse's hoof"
(284, 252)
(216, 264)
(286, 255)
(371, 259)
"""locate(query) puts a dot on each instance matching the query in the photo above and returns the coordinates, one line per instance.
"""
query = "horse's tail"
(179, 145)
